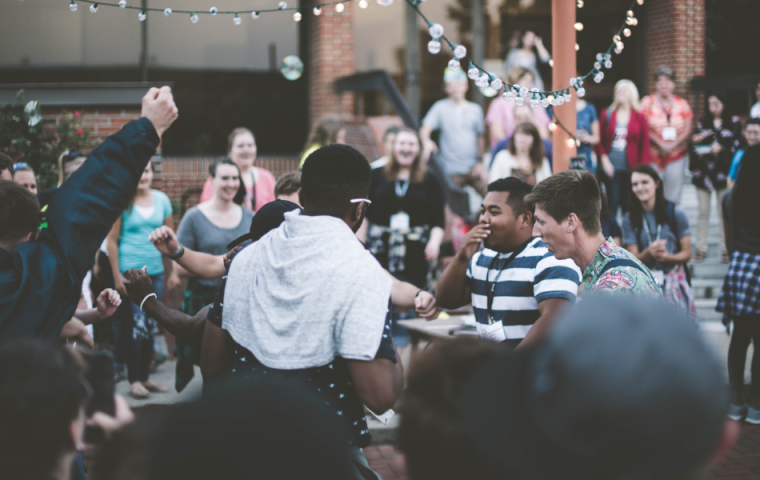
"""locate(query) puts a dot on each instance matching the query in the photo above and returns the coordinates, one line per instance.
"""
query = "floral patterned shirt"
(618, 279)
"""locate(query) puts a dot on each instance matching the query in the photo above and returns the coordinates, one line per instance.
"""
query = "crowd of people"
(294, 288)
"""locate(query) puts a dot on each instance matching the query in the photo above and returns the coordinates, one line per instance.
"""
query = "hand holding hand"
(165, 240)
(158, 107)
(118, 285)
(426, 306)
(138, 284)
(471, 242)
(107, 303)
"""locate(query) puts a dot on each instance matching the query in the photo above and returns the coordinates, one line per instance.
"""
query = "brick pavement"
(741, 463)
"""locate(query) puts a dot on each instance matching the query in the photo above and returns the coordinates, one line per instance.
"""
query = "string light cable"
(213, 11)
(519, 94)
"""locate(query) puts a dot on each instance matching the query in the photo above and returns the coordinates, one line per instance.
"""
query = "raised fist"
(158, 107)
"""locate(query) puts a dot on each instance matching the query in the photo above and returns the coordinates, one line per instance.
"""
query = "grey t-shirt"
(617, 154)
(460, 127)
(639, 237)
(196, 232)
(742, 239)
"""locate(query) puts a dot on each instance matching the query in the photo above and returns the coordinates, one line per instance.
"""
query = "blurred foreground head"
(274, 430)
(621, 389)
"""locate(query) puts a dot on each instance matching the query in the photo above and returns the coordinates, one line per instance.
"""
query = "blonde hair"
(632, 91)
(65, 171)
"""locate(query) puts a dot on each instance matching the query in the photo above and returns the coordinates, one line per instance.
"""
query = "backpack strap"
(625, 262)
(672, 224)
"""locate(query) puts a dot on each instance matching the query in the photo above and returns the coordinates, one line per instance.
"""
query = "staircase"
(707, 276)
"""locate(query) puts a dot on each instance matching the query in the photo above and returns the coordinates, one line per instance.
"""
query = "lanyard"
(666, 110)
(645, 224)
(491, 287)
(401, 188)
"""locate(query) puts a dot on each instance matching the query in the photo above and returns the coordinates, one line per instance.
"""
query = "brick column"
(331, 56)
(676, 38)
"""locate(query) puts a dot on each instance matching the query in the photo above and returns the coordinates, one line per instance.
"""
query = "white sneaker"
(753, 416)
(737, 412)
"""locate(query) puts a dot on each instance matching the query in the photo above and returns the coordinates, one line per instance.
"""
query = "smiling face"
(507, 230)
(665, 86)
(26, 179)
(243, 151)
(752, 134)
(457, 89)
(147, 177)
(644, 187)
(523, 142)
(406, 148)
(715, 106)
(554, 234)
(226, 182)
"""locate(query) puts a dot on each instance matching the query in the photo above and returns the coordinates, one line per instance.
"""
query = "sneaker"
(737, 412)
(753, 416)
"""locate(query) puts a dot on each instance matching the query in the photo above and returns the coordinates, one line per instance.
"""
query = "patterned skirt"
(741, 288)
(678, 292)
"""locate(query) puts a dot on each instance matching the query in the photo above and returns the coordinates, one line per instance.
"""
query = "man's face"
(523, 113)
(752, 134)
(456, 89)
(504, 226)
(6, 175)
(553, 234)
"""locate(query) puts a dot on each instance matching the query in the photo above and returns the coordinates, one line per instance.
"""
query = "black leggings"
(746, 330)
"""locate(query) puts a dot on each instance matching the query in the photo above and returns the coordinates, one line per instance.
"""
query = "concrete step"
(706, 310)
(706, 288)
(708, 269)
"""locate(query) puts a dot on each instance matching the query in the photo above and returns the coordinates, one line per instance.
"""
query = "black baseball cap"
(269, 217)
(622, 387)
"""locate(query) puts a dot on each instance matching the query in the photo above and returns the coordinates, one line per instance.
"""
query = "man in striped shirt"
(515, 284)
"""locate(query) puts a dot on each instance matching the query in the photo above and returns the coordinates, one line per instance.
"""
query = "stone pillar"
(676, 38)
(331, 56)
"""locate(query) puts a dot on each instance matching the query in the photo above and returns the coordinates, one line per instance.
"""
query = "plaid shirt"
(741, 288)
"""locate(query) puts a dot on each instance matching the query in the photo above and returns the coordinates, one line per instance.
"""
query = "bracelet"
(422, 290)
(178, 254)
(146, 298)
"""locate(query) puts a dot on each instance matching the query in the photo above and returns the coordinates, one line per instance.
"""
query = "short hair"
(666, 71)
(19, 211)
(536, 153)
(233, 135)
(331, 177)
(41, 392)
(517, 190)
(431, 434)
(571, 191)
(288, 184)
(751, 121)
(5, 162)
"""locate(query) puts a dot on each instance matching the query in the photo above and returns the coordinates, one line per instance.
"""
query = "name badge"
(493, 332)
(669, 133)
(659, 277)
(400, 221)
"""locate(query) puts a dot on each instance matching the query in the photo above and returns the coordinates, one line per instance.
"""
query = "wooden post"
(563, 53)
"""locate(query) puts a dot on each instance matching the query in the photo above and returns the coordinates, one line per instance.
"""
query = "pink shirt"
(503, 113)
(264, 190)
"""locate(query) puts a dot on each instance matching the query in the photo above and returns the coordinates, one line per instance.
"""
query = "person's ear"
(527, 219)
(356, 212)
(731, 430)
(571, 223)
(28, 237)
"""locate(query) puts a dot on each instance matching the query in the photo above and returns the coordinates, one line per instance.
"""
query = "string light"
(297, 16)
(73, 7)
(570, 142)
(436, 30)
(508, 95)
(385, 3)
(213, 10)
(454, 65)
(627, 32)
(282, 5)
(363, 4)
(552, 127)
(640, 2)
(317, 11)
(167, 12)
(580, 3)
(193, 18)
(142, 16)
(94, 8)
(255, 15)
(237, 20)
(460, 51)
(579, 26)
(577, 47)
(339, 8)
(434, 46)
(122, 3)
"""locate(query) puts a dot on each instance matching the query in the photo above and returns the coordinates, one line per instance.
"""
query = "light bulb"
(73, 7)
(436, 30)
(460, 51)
(634, 21)
(568, 96)
(473, 72)
(363, 4)
(551, 62)
(282, 5)
(167, 12)
(385, 3)
(434, 46)
(534, 102)
(616, 39)
(194, 18)
(454, 65)
(508, 95)
(339, 7)
(552, 126)
(640, 2)
(570, 143)
(545, 102)
(524, 92)
(213, 10)
(519, 101)
(255, 15)
(597, 65)
(579, 26)
(573, 81)
(599, 57)
(559, 100)
(317, 11)
(482, 80)
(534, 90)
(581, 92)
(297, 16)
(577, 47)
(629, 21)
(599, 77)
(608, 64)
(620, 45)
(580, 4)
(629, 13)
(122, 3)
(497, 84)
(627, 32)
(607, 56)
(142, 16)
(618, 51)
(237, 20)
(94, 7)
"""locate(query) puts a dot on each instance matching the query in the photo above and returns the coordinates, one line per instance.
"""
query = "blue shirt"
(533, 276)
(736, 165)
(135, 250)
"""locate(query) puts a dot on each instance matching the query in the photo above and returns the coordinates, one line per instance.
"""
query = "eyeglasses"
(18, 165)
(360, 200)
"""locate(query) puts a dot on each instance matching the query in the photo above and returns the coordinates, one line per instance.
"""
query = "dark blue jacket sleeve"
(41, 280)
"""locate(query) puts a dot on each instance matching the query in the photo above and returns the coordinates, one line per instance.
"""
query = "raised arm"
(453, 290)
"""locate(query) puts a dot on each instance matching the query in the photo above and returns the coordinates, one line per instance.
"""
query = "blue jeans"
(618, 190)
(134, 337)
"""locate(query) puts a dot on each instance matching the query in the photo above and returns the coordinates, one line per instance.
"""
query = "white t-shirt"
(755, 112)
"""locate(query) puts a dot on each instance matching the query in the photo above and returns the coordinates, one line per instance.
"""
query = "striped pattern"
(533, 276)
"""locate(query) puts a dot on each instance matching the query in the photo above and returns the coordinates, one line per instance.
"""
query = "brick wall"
(103, 122)
(676, 37)
(331, 50)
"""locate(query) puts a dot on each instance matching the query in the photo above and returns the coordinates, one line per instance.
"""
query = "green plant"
(41, 144)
